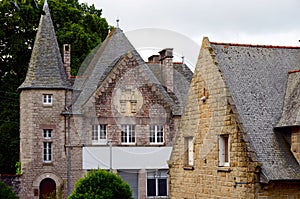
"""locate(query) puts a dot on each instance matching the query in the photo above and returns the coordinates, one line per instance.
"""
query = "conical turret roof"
(46, 70)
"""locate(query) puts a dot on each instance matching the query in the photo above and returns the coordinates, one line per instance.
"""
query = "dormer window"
(47, 99)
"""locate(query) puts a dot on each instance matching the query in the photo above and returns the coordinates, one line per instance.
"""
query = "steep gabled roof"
(104, 60)
(46, 68)
(291, 109)
(113, 47)
(256, 77)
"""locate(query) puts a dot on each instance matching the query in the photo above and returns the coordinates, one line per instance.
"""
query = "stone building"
(119, 113)
(239, 134)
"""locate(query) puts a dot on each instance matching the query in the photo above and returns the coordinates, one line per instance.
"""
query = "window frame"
(128, 134)
(47, 133)
(224, 150)
(97, 132)
(47, 99)
(154, 134)
(47, 152)
(157, 175)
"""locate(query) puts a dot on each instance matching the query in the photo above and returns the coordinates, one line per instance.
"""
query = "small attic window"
(47, 99)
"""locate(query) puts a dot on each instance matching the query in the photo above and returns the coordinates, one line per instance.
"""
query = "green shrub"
(101, 184)
(6, 191)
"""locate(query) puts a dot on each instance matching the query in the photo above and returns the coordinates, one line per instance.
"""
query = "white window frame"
(47, 133)
(224, 150)
(47, 99)
(99, 133)
(189, 147)
(155, 138)
(128, 134)
(157, 175)
(47, 152)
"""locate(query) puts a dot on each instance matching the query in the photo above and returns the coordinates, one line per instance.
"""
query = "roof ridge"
(254, 45)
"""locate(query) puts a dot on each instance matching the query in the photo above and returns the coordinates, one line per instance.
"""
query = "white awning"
(126, 157)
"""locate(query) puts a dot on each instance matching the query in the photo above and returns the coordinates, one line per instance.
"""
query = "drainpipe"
(69, 155)
(68, 145)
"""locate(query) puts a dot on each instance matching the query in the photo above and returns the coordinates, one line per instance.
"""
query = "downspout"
(68, 145)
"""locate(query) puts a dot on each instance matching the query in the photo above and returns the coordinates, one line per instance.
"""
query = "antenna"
(118, 22)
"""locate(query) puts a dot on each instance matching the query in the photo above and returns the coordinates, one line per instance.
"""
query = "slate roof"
(46, 68)
(113, 47)
(104, 59)
(257, 77)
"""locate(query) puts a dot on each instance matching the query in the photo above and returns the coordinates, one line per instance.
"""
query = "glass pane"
(151, 188)
(162, 187)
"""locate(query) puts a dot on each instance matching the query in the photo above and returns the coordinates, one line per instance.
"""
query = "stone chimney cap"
(166, 53)
(153, 58)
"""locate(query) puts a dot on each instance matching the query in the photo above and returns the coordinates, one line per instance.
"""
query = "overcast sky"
(266, 22)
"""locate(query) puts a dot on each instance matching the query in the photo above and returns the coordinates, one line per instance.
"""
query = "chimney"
(166, 60)
(153, 59)
(67, 59)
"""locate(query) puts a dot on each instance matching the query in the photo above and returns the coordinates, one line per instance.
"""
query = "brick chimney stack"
(67, 59)
(166, 60)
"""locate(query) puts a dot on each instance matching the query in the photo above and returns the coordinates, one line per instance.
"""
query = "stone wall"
(34, 117)
(129, 84)
(209, 114)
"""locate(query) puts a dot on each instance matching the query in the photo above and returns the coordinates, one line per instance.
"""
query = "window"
(189, 148)
(156, 134)
(99, 134)
(47, 99)
(47, 151)
(47, 133)
(224, 159)
(128, 134)
(157, 183)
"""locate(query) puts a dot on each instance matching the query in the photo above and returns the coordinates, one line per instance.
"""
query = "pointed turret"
(46, 68)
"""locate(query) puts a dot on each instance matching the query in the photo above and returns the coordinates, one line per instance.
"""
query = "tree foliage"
(75, 23)
(101, 184)
(6, 191)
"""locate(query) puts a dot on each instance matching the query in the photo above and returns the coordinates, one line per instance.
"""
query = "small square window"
(99, 134)
(47, 133)
(47, 99)
(157, 183)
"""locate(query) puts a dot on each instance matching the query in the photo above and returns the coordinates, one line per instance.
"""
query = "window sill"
(191, 168)
(157, 144)
(99, 143)
(224, 169)
(132, 144)
(47, 105)
(48, 163)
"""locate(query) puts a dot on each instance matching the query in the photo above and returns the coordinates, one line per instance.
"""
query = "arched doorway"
(47, 188)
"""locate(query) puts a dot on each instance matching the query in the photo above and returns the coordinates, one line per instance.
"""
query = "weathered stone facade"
(210, 113)
(67, 125)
